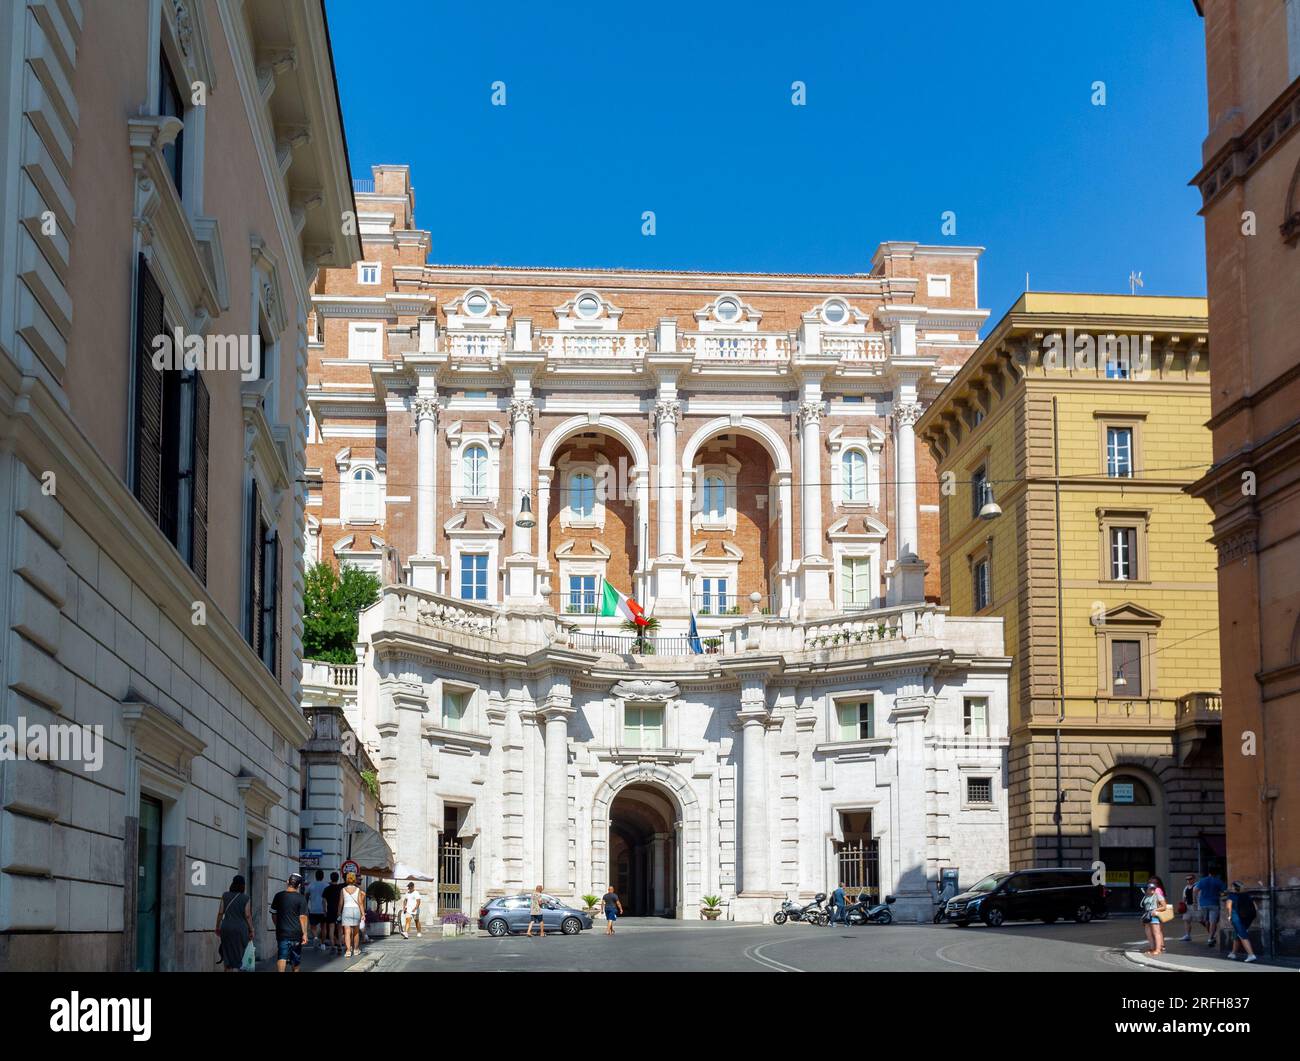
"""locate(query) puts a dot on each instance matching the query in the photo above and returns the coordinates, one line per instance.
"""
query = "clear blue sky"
(685, 109)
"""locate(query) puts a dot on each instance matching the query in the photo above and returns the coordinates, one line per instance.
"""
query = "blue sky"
(685, 109)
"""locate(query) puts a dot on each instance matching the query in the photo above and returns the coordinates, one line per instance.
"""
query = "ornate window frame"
(1128, 622)
(1134, 421)
(1139, 519)
(487, 540)
(460, 440)
(565, 470)
(728, 470)
(596, 564)
(871, 445)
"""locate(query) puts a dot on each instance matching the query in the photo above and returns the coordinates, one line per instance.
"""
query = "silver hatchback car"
(507, 914)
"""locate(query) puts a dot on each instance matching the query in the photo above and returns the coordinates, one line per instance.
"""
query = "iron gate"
(449, 863)
(858, 867)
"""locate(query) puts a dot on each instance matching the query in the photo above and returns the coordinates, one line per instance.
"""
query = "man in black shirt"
(290, 909)
(332, 932)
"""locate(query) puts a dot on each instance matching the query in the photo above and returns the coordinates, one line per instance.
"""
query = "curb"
(1138, 958)
(365, 965)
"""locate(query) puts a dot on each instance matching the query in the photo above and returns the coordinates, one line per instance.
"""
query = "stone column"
(910, 710)
(557, 710)
(755, 855)
(521, 565)
(667, 412)
(907, 580)
(815, 568)
(425, 566)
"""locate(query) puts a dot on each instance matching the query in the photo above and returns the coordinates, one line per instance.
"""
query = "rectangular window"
(473, 576)
(171, 104)
(853, 399)
(975, 717)
(582, 594)
(979, 790)
(856, 720)
(455, 706)
(714, 599)
(855, 582)
(980, 591)
(1119, 452)
(938, 286)
(367, 272)
(365, 342)
(1123, 554)
(643, 727)
(170, 447)
(979, 491)
(1126, 668)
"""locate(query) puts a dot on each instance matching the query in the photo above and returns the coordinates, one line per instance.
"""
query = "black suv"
(1029, 895)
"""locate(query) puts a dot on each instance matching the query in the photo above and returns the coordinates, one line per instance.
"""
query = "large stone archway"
(640, 784)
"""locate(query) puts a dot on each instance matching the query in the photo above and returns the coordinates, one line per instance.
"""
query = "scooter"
(811, 913)
(860, 913)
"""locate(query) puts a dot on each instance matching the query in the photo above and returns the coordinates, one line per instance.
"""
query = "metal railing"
(365, 185)
(858, 862)
(630, 644)
(721, 603)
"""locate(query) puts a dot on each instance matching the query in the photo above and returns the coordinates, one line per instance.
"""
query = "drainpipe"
(1060, 633)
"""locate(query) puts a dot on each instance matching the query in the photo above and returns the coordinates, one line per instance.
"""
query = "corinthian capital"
(522, 409)
(907, 413)
(811, 412)
(668, 410)
(426, 408)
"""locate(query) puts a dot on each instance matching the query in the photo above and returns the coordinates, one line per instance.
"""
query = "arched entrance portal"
(643, 854)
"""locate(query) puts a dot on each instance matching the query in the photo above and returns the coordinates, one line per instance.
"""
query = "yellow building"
(1082, 418)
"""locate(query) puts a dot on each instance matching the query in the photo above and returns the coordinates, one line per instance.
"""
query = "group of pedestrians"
(1200, 904)
(328, 916)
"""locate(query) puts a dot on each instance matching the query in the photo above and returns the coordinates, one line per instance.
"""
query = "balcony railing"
(763, 348)
(364, 185)
(474, 346)
(612, 345)
(854, 347)
(630, 644)
(321, 672)
(1199, 708)
(721, 604)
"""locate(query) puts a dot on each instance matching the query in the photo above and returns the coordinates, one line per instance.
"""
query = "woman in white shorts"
(351, 900)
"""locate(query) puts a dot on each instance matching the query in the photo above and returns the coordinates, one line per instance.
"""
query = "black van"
(1029, 895)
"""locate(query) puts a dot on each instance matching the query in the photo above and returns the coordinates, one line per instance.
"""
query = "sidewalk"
(1198, 958)
(317, 961)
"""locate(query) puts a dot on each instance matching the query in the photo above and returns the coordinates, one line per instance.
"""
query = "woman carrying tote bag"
(1155, 912)
(235, 925)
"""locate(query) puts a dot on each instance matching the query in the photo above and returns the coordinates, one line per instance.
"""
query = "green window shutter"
(149, 323)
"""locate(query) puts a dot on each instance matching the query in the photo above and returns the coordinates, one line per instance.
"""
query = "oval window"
(588, 306)
(476, 305)
(835, 312)
(727, 311)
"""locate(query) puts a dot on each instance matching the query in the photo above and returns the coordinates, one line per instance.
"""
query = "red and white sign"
(349, 867)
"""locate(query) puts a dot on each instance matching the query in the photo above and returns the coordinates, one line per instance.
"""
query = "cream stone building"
(168, 165)
(498, 442)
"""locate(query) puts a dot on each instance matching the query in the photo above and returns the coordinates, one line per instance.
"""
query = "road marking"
(953, 961)
(756, 955)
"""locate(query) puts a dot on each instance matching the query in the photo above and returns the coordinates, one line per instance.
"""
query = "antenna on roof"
(1026, 281)
(1134, 282)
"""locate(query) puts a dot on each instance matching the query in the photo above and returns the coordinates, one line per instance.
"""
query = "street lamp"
(525, 518)
(990, 509)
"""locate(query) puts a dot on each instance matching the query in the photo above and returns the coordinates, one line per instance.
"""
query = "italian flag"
(612, 602)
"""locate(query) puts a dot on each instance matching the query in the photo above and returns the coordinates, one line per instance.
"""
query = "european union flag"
(696, 647)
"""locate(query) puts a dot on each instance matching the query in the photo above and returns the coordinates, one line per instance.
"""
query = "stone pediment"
(645, 689)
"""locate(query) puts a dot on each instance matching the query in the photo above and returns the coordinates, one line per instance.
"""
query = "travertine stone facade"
(129, 490)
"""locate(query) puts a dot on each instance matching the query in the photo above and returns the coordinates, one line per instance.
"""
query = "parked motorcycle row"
(861, 912)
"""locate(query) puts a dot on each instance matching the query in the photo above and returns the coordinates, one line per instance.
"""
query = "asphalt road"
(674, 946)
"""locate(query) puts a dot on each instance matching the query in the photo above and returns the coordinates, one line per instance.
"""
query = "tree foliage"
(331, 602)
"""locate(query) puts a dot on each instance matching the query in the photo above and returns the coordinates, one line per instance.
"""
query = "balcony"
(594, 346)
(851, 348)
(486, 347)
(750, 349)
(331, 675)
(1200, 709)
(1199, 721)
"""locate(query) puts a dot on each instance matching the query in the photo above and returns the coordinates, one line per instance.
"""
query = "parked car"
(1029, 895)
(509, 913)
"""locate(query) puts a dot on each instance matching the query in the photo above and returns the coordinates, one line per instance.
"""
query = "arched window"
(474, 466)
(365, 495)
(853, 465)
(1125, 788)
(582, 495)
(714, 497)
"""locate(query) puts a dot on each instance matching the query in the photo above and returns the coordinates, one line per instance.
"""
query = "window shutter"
(275, 595)
(148, 392)
(199, 523)
(254, 570)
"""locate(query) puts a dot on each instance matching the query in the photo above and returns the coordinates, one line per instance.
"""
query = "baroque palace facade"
(495, 442)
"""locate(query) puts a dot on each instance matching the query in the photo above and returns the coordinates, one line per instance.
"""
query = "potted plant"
(712, 644)
(711, 908)
(642, 646)
(589, 904)
(454, 923)
(380, 922)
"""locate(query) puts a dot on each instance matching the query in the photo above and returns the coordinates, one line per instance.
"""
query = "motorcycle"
(861, 913)
(941, 912)
(811, 912)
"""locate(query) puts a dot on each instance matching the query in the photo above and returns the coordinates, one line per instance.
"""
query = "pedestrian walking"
(333, 931)
(235, 925)
(535, 913)
(613, 909)
(411, 910)
(315, 893)
(351, 909)
(290, 910)
(1187, 908)
(838, 903)
(1155, 912)
(1241, 915)
(1209, 892)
